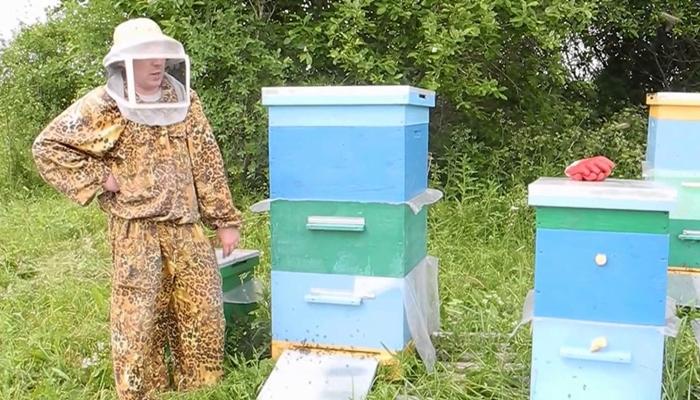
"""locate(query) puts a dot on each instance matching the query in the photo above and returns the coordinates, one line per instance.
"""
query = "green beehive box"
(685, 244)
(350, 238)
(237, 268)
(237, 271)
(688, 187)
(684, 224)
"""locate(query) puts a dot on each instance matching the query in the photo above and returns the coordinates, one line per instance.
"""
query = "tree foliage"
(524, 86)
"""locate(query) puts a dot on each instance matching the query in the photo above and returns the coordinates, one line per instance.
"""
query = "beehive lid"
(673, 99)
(347, 95)
(236, 257)
(307, 375)
(620, 194)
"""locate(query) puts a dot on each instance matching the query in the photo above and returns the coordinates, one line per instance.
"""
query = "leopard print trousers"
(166, 293)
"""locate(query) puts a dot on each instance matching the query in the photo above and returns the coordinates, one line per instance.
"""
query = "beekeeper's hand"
(110, 184)
(228, 237)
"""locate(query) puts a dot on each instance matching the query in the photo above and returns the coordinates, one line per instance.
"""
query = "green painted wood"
(602, 220)
(235, 274)
(232, 276)
(688, 202)
(236, 314)
(685, 243)
(392, 242)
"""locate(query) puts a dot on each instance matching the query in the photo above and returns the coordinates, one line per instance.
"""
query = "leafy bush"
(524, 87)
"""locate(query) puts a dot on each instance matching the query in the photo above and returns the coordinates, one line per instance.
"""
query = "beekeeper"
(143, 147)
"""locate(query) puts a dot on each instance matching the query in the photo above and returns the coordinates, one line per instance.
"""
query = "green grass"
(54, 297)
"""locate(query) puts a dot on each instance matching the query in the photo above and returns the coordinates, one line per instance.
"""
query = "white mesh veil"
(154, 61)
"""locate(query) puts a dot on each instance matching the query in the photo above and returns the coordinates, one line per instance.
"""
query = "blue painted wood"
(339, 310)
(674, 144)
(651, 143)
(563, 367)
(416, 160)
(347, 95)
(347, 115)
(629, 288)
(619, 194)
(380, 164)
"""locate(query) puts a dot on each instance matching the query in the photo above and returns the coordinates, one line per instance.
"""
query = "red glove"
(590, 169)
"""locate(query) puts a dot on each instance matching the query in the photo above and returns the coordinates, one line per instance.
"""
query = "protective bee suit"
(159, 148)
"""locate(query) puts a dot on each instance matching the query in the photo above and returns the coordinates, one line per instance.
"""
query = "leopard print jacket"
(165, 173)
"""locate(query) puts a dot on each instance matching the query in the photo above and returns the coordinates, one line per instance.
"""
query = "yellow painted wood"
(384, 357)
(684, 271)
(684, 108)
(682, 113)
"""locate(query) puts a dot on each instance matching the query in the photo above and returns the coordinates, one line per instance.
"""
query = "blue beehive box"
(614, 271)
(327, 310)
(673, 133)
(566, 363)
(673, 144)
(349, 312)
(358, 143)
(629, 288)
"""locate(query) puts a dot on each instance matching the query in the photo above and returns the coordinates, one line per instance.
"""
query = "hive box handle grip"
(691, 185)
(342, 224)
(689, 235)
(618, 357)
(336, 298)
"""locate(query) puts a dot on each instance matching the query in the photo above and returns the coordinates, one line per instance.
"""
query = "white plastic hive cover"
(684, 289)
(674, 98)
(347, 95)
(425, 198)
(308, 375)
(610, 194)
(696, 330)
